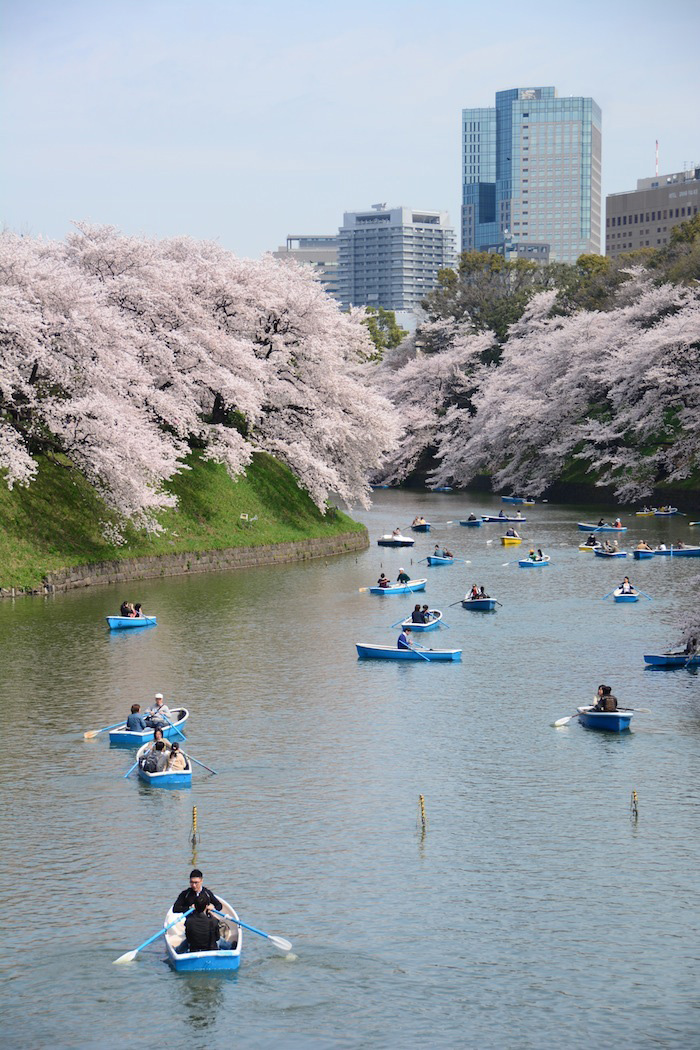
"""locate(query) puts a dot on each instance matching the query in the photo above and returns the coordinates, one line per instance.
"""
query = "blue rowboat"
(530, 563)
(180, 778)
(672, 660)
(479, 604)
(432, 624)
(226, 957)
(491, 518)
(434, 559)
(678, 552)
(665, 512)
(614, 721)
(518, 499)
(400, 588)
(472, 524)
(425, 527)
(641, 555)
(600, 553)
(123, 737)
(121, 623)
(620, 596)
(389, 652)
(442, 488)
(395, 541)
(585, 526)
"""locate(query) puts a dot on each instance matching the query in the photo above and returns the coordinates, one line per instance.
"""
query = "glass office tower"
(531, 174)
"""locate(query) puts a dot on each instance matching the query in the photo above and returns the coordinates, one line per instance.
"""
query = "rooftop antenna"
(657, 158)
(379, 207)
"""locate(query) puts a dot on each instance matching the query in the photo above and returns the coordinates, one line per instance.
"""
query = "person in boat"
(439, 552)
(626, 587)
(518, 515)
(403, 576)
(396, 532)
(601, 523)
(531, 554)
(126, 609)
(135, 722)
(474, 592)
(137, 614)
(417, 615)
(605, 701)
(643, 546)
(447, 554)
(160, 714)
(151, 746)
(426, 614)
(540, 555)
(472, 517)
(680, 545)
(202, 929)
(691, 647)
(591, 541)
(482, 592)
(196, 891)
(176, 761)
(501, 514)
(511, 533)
(404, 642)
(156, 760)
(617, 523)
(383, 581)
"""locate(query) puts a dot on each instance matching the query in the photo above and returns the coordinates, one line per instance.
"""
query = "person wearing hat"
(403, 576)
(158, 715)
(177, 761)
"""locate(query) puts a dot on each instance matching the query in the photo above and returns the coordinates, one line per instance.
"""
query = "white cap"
(159, 696)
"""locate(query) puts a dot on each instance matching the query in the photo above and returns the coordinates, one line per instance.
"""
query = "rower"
(404, 641)
(605, 701)
(403, 576)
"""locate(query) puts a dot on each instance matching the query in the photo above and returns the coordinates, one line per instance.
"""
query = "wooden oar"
(93, 732)
(130, 956)
(279, 942)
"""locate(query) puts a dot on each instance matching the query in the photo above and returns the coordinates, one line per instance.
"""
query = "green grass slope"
(56, 522)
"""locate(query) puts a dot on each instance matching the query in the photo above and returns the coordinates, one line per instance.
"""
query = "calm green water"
(532, 912)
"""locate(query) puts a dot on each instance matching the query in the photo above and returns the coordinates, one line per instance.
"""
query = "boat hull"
(396, 541)
(421, 528)
(400, 588)
(434, 560)
(625, 598)
(194, 962)
(612, 721)
(387, 652)
(479, 604)
(124, 623)
(122, 737)
(670, 660)
(675, 552)
(528, 563)
(492, 519)
(642, 555)
(472, 524)
(180, 779)
(431, 626)
(511, 541)
(585, 526)
(609, 554)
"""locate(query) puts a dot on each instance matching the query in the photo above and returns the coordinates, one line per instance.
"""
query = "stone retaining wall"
(195, 561)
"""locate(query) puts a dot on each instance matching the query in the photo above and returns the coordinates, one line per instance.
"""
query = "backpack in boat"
(610, 703)
(150, 764)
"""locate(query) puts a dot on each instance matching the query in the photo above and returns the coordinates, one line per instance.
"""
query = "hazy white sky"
(243, 123)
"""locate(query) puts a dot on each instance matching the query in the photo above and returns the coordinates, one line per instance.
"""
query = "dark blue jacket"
(135, 724)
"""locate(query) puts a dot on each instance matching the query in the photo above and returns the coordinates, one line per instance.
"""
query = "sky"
(243, 122)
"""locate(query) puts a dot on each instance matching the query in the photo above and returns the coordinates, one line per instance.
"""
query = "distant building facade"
(390, 257)
(531, 173)
(318, 251)
(644, 218)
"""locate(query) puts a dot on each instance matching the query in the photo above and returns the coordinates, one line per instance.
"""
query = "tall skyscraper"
(390, 257)
(531, 178)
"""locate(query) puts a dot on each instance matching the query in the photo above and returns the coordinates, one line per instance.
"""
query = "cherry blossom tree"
(120, 353)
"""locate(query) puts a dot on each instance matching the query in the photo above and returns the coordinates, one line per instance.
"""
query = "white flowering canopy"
(120, 351)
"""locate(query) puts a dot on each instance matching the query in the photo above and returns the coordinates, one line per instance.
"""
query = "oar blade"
(127, 957)
(90, 734)
(280, 943)
(563, 721)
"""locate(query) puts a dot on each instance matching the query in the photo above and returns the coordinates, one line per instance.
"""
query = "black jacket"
(202, 932)
(188, 898)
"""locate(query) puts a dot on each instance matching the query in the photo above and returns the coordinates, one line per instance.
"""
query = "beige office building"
(644, 218)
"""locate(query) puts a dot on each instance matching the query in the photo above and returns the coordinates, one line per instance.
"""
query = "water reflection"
(202, 998)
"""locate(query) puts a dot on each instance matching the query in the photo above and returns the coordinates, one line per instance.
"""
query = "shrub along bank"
(58, 521)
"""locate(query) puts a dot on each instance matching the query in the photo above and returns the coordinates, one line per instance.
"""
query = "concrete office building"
(531, 174)
(390, 257)
(318, 251)
(644, 218)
